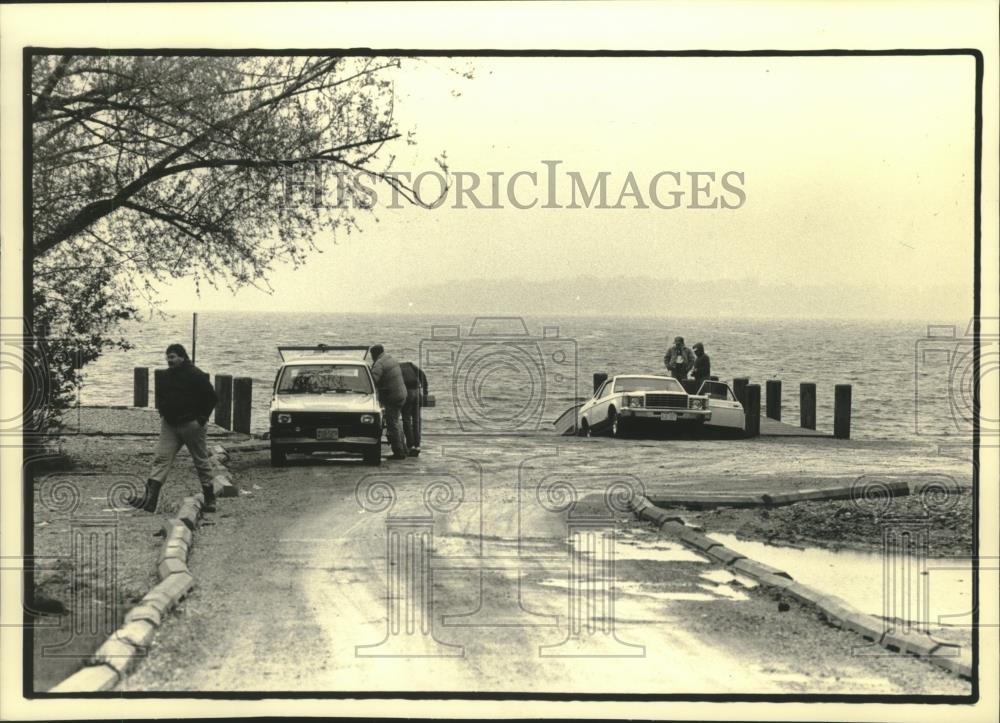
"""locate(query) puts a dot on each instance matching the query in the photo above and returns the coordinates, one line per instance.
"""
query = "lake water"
(519, 374)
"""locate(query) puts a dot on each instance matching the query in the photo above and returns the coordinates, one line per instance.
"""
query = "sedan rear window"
(646, 384)
(324, 378)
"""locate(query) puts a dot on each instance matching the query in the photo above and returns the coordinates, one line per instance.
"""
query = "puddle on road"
(857, 577)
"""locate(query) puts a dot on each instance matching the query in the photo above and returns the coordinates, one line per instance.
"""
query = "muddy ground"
(844, 524)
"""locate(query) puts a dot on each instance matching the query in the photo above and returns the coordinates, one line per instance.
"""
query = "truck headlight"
(368, 419)
(635, 402)
(698, 403)
(284, 419)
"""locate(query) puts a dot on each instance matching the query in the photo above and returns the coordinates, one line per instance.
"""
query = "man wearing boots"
(185, 398)
(416, 392)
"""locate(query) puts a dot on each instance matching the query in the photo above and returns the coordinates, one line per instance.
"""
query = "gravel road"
(485, 565)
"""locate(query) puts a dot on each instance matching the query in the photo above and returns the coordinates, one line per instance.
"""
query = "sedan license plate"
(327, 433)
(670, 417)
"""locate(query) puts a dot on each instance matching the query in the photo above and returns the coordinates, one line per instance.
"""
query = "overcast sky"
(855, 171)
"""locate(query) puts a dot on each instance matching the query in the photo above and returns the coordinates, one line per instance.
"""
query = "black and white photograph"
(572, 360)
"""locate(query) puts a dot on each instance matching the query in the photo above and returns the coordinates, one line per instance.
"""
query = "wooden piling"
(739, 389)
(599, 379)
(159, 376)
(842, 411)
(242, 401)
(140, 387)
(807, 405)
(224, 407)
(773, 403)
(752, 407)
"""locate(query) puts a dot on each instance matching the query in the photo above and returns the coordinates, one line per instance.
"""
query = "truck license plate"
(327, 433)
(670, 417)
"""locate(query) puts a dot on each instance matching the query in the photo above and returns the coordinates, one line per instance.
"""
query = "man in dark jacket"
(416, 392)
(702, 368)
(392, 395)
(185, 399)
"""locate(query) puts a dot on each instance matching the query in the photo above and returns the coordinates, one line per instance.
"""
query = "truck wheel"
(373, 456)
(277, 457)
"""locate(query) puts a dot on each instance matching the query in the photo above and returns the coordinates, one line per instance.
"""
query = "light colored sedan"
(625, 403)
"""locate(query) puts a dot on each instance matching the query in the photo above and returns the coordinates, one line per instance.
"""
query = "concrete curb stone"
(867, 626)
(961, 665)
(775, 581)
(698, 540)
(175, 549)
(117, 654)
(91, 679)
(177, 586)
(138, 633)
(170, 566)
(178, 531)
(673, 527)
(724, 555)
(758, 569)
(144, 613)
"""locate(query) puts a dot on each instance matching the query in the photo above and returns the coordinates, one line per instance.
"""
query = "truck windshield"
(647, 384)
(323, 378)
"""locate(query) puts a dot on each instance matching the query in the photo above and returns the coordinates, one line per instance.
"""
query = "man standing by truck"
(392, 394)
(416, 396)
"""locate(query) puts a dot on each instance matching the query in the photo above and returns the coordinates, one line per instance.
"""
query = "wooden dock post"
(842, 411)
(242, 400)
(773, 404)
(752, 407)
(224, 407)
(158, 379)
(140, 387)
(807, 405)
(599, 379)
(739, 389)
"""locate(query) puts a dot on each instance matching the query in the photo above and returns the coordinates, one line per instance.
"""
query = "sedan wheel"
(614, 423)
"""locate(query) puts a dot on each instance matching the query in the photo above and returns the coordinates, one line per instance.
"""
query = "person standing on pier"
(185, 400)
(416, 394)
(392, 394)
(678, 359)
(702, 368)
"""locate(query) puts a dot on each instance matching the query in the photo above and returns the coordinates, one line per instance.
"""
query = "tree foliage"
(156, 167)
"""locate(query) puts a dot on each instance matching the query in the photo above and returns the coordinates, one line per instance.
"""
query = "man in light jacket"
(392, 395)
(678, 359)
